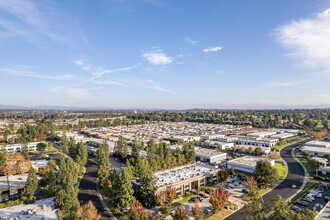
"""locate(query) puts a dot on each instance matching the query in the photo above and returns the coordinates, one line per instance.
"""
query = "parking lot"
(318, 204)
(116, 164)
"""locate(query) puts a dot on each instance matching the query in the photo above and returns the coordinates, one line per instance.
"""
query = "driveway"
(295, 176)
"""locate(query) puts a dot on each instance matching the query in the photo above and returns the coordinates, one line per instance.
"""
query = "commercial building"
(246, 164)
(175, 147)
(41, 209)
(321, 144)
(186, 178)
(186, 138)
(219, 144)
(264, 150)
(316, 151)
(256, 141)
(212, 136)
(209, 155)
(263, 134)
(16, 148)
(325, 170)
(13, 184)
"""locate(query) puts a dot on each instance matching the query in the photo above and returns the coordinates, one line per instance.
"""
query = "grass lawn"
(279, 147)
(185, 199)
(309, 167)
(309, 186)
(263, 191)
(219, 215)
(281, 170)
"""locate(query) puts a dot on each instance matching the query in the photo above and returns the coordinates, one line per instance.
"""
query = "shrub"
(326, 198)
(233, 206)
(202, 195)
(166, 210)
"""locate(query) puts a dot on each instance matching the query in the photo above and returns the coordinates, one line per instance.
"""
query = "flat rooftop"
(176, 175)
(247, 160)
(207, 152)
(44, 209)
(323, 143)
(316, 149)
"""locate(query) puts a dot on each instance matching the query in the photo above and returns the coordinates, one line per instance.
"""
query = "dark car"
(303, 203)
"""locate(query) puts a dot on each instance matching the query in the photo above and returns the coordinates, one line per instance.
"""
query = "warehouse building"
(219, 144)
(320, 144)
(316, 151)
(246, 164)
(209, 155)
(186, 178)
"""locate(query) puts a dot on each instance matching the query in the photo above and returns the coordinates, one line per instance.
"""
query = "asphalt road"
(87, 189)
(295, 176)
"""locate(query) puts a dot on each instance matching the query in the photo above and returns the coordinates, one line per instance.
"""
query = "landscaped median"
(308, 165)
(219, 215)
(281, 146)
(309, 186)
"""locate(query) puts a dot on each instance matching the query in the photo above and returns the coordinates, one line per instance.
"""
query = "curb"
(305, 179)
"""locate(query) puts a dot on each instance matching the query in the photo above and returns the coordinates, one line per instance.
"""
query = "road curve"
(295, 176)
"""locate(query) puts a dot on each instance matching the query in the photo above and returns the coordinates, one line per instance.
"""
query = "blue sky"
(173, 54)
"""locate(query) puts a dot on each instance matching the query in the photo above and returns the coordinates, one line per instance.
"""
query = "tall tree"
(126, 191)
(103, 167)
(197, 211)
(87, 212)
(137, 212)
(32, 182)
(219, 198)
(265, 174)
(41, 147)
(180, 214)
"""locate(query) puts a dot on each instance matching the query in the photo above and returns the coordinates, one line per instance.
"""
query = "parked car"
(319, 195)
(296, 208)
(310, 197)
(293, 186)
(307, 200)
(303, 203)
(229, 185)
(245, 190)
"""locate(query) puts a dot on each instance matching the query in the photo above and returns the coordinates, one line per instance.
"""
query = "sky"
(165, 54)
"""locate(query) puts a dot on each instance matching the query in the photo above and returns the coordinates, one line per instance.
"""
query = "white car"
(293, 186)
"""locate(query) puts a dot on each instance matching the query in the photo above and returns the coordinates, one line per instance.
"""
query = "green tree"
(126, 191)
(265, 174)
(146, 191)
(103, 169)
(32, 182)
(41, 147)
(255, 207)
(25, 151)
(258, 151)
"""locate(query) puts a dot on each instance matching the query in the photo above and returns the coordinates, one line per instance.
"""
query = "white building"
(16, 148)
(264, 150)
(256, 141)
(209, 155)
(186, 138)
(212, 136)
(325, 170)
(219, 144)
(174, 148)
(41, 209)
(263, 134)
(316, 151)
(247, 163)
(321, 144)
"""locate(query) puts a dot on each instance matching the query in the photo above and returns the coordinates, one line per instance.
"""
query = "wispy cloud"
(287, 84)
(189, 40)
(75, 93)
(24, 73)
(158, 87)
(101, 71)
(110, 82)
(157, 57)
(308, 40)
(29, 20)
(212, 49)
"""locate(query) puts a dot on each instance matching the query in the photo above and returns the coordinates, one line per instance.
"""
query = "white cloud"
(101, 71)
(33, 74)
(157, 57)
(28, 21)
(107, 82)
(212, 49)
(308, 40)
(158, 87)
(288, 84)
(189, 40)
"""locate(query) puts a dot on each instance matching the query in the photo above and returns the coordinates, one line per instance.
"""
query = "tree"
(170, 194)
(52, 164)
(258, 151)
(103, 166)
(87, 212)
(126, 191)
(3, 159)
(265, 174)
(25, 151)
(321, 134)
(197, 211)
(219, 198)
(250, 150)
(242, 149)
(16, 164)
(41, 147)
(180, 214)
(252, 185)
(317, 165)
(146, 191)
(255, 207)
(234, 149)
(161, 198)
(137, 212)
(306, 154)
(31, 185)
(223, 174)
